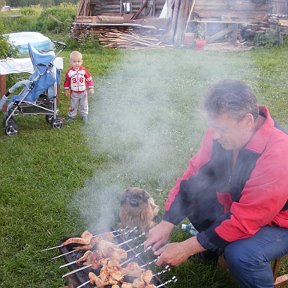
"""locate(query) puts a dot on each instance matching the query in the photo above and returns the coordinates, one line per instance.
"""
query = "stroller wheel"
(57, 123)
(11, 129)
(49, 118)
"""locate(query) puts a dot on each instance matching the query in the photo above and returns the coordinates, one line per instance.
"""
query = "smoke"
(146, 122)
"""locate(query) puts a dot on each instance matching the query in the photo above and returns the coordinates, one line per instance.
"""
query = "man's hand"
(176, 253)
(158, 235)
(67, 92)
(173, 254)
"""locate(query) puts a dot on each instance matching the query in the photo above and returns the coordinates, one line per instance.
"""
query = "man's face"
(232, 134)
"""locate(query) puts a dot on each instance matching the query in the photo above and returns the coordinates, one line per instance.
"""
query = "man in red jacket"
(234, 191)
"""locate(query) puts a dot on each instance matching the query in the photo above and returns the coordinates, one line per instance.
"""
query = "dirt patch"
(229, 47)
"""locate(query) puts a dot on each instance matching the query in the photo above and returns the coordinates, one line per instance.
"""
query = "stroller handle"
(60, 43)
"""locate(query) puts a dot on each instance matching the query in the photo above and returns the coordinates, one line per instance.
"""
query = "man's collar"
(259, 140)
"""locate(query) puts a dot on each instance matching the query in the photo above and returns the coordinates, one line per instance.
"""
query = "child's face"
(76, 62)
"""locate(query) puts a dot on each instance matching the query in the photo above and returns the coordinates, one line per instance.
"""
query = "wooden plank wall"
(241, 10)
(113, 6)
(234, 10)
(280, 7)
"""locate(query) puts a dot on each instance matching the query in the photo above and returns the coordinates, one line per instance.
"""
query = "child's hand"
(91, 91)
(67, 93)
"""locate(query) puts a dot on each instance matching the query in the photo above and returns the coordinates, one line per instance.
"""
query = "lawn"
(145, 123)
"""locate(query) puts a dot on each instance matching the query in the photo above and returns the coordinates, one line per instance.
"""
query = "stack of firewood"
(120, 37)
(129, 40)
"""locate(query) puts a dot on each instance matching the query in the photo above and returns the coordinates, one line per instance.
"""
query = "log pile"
(114, 36)
(121, 37)
(130, 40)
(223, 20)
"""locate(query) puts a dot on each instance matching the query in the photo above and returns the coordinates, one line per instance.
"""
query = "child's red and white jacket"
(78, 81)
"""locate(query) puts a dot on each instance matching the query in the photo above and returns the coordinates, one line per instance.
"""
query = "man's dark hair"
(232, 97)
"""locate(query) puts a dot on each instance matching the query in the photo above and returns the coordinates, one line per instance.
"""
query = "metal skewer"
(173, 279)
(72, 251)
(114, 231)
(83, 284)
(151, 262)
(62, 245)
(134, 248)
(166, 269)
(74, 271)
(132, 239)
(51, 248)
(135, 256)
(131, 230)
(68, 264)
(74, 262)
(75, 250)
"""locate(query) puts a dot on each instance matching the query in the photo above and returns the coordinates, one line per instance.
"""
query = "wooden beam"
(190, 14)
(3, 90)
(2, 85)
(219, 35)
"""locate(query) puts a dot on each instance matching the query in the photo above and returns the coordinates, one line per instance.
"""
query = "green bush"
(56, 19)
(269, 38)
(24, 20)
(88, 44)
(28, 11)
(6, 50)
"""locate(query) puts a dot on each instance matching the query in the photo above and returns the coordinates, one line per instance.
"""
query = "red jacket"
(239, 203)
(78, 81)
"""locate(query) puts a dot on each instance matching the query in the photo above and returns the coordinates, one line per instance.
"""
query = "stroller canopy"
(39, 59)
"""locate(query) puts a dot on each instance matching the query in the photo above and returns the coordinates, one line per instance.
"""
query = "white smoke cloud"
(147, 121)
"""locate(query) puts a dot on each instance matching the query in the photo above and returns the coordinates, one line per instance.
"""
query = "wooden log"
(181, 23)
(218, 35)
(190, 14)
(135, 16)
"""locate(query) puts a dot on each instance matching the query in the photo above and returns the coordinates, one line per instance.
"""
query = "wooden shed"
(156, 23)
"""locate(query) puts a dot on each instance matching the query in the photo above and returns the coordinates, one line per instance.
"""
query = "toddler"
(78, 82)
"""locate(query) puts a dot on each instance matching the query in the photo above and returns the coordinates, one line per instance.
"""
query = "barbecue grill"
(127, 239)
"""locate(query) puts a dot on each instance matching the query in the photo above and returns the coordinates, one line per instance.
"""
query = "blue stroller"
(39, 93)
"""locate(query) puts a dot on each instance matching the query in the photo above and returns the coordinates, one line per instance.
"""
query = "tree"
(46, 3)
(25, 3)
(2, 3)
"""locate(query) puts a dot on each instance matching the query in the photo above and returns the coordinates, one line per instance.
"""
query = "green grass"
(145, 123)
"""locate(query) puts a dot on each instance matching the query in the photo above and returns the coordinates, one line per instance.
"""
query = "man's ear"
(249, 120)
